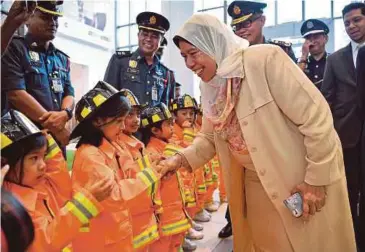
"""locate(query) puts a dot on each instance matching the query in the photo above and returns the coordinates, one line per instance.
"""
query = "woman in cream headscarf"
(274, 135)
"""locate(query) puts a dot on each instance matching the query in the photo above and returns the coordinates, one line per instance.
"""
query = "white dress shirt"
(355, 49)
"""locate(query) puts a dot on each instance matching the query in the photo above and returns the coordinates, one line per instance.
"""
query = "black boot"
(226, 231)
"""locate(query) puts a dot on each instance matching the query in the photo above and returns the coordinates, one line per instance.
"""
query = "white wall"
(96, 58)
(177, 12)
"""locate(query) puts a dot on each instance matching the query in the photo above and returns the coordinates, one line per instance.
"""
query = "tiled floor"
(211, 242)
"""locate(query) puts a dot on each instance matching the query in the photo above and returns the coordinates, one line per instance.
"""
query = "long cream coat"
(288, 129)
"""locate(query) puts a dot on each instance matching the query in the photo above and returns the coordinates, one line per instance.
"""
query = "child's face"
(34, 167)
(184, 117)
(166, 131)
(132, 121)
(111, 126)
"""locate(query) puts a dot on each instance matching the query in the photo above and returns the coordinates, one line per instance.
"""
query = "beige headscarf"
(217, 40)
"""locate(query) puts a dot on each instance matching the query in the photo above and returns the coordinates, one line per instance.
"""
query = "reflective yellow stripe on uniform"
(67, 249)
(86, 203)
(175, 228)
(148, 177)
(70, 206)
(85, 228)
(53, 148)
(143, 164)
(189, 135)
(145, 237)
(202, 188)
(171, 150)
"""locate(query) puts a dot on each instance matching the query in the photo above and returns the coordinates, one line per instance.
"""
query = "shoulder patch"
(280, 43)
(18, 37)
(122, 54)
(58, 50)
(168, 69)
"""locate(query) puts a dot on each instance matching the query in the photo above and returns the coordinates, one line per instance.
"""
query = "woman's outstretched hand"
(169, 165)
(314, 198)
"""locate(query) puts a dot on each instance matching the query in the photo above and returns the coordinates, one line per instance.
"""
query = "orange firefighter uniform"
(173, 221)
(112, 230)
(199, 174)
(212, 171)
(56, 214)
(188, 178)
(142, 208)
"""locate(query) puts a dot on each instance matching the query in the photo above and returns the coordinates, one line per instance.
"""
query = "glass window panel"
(317, 9)
(289, 11)
(122, 12)
(219, 13)
(341, 37)
(154, 5)
(212, 3)
(122, 36)
(269, 13)
(136, 7)
(338, 7)
(134, 35)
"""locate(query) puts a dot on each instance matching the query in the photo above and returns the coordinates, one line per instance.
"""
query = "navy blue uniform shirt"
(45, 75)
(315, 69)
(150, 84)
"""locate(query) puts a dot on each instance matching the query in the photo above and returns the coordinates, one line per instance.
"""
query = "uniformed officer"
(177, 90)
(36, 75)
(314, 32)
(248, 22)
(141, 71)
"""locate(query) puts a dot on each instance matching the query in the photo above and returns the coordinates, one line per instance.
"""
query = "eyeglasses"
(246, 24)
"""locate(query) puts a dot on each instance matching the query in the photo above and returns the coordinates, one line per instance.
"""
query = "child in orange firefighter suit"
(101, 113)
(157, 124)
(184, 109)
(39, 179)
(144, 207)
(211, 172)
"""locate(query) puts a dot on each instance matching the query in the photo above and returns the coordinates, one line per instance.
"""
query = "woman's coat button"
(274, 195)
(262, 172)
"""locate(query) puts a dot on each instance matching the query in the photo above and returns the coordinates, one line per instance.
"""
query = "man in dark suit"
(360, 81)
(339, 88)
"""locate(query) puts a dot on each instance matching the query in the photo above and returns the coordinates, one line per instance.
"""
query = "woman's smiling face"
(197, 61)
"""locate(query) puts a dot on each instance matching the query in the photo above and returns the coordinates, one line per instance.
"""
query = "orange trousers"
(167, 243)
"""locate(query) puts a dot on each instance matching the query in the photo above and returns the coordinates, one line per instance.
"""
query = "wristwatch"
(69, 112)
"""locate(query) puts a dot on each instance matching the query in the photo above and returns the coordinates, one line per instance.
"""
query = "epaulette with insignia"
(123, 54)
(58, 50)
(279, 43)
(17, 37)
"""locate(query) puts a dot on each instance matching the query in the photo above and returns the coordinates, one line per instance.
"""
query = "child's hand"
(101, 189)
(186, 124)
(155, 158)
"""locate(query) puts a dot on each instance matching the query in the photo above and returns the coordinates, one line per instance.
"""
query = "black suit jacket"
(360, 80)
(340, 90)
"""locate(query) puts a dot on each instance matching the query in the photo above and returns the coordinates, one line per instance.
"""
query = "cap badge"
(132, 64)
(236, 10)
(34, 56)
(310, 25)
(152, 20)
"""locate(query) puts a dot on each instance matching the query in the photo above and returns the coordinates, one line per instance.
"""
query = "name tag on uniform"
(154, 94)
(57, 85)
